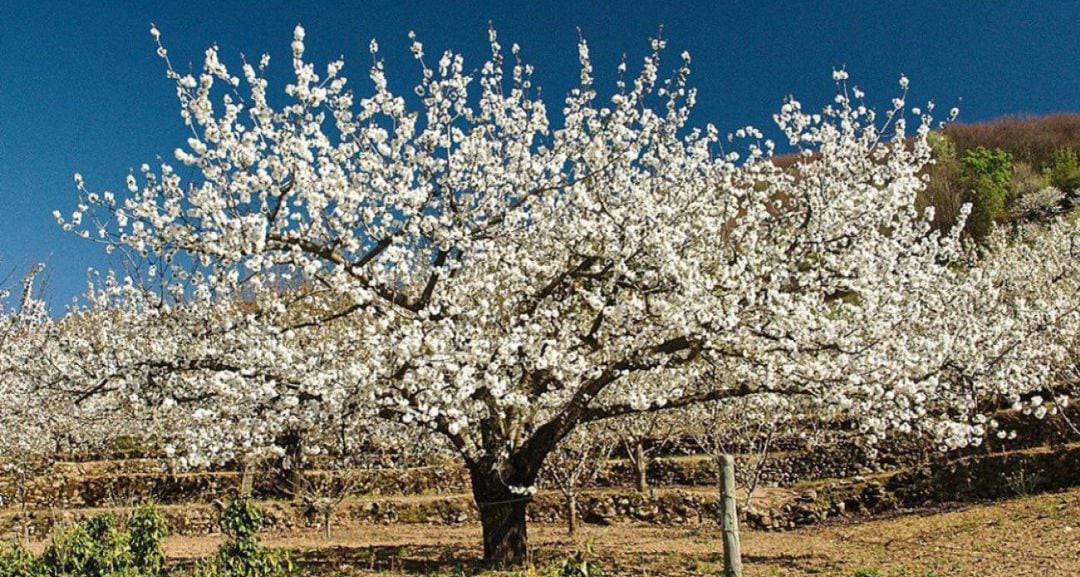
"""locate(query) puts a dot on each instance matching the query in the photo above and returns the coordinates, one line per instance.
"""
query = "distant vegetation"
(1011, 169)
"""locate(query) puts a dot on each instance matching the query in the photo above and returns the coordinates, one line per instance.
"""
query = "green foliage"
(995, 164)
(580, 565)
(96, 547)
(147, 529)
(1064, 170)
(16, 561)
(241, 520)
(986, 175)
(241, 555)
(867, 573)
(987, 206)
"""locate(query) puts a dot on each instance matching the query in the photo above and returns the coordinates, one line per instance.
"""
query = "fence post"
(247, 476)
(730, 520)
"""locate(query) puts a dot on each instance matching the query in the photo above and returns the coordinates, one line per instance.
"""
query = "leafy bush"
(867, 573)
(241, 555)
(146, 528)
(986, 176)
(96, 547)
(1064, 170)
(15, 561)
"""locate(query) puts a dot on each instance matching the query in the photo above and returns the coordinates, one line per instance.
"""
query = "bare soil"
(1037, 535)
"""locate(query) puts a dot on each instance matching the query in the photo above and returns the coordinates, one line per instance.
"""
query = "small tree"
(642, 436)
(348, 449)
(747, 431)
(322, 492)
(575, 462)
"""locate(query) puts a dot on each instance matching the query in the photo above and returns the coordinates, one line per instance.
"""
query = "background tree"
(575, 462)
(748, 431)
(642, 436)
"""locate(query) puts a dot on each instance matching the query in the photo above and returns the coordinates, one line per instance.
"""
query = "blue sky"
(81, 89)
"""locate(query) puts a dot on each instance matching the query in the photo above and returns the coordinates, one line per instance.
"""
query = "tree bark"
(247, 477)
(291, 466)
(571, 514)
(641, 467)
(502, 518)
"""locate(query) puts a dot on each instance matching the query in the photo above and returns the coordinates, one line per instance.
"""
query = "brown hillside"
(1030, 139)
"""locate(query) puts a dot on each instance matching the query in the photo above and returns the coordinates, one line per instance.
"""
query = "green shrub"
(995, 164)
(94, 548)
(986, 175)
(867, 573)
(16, 561)
(241, 555)
(147, 529)
(1064, 170)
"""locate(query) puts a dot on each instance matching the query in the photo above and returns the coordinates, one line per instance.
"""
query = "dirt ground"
(1028, 536)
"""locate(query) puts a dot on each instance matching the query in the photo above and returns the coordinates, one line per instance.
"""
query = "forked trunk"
(502, 517)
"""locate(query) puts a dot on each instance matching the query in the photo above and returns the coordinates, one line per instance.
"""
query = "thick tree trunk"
(502, 517)
(290, 478)
(641, 467)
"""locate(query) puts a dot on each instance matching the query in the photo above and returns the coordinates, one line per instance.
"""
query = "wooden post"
(641, 466)
(571, 513)
(730, 520)
(247, 476)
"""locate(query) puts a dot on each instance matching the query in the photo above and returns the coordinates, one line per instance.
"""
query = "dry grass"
(1030, 536)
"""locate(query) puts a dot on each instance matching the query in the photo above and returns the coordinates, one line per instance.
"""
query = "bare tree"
(575, 462)
(642, 436)
(323, 491)
(748, 431)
